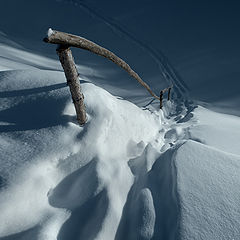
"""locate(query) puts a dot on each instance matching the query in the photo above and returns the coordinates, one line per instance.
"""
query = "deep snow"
(128, 173)
(133, 171)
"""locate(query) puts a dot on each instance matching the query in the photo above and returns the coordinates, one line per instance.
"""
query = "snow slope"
(128, 173)
(133, 171)
(93, 158)
(207, 181)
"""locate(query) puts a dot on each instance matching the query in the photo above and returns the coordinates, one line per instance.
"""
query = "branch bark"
(67, 61)
(62, 38)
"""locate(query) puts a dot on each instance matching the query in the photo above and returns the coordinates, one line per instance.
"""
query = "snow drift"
(55, 151)
(128, 173)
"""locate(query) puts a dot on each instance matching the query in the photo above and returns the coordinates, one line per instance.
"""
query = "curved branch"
(62, 38)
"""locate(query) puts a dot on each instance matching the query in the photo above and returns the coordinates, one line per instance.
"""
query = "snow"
(128, 173)
(133, 171)
(50, 32)
(61, 150)
(208, 181)
(218, 130)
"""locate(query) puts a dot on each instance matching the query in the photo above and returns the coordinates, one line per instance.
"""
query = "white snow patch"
(50, 32)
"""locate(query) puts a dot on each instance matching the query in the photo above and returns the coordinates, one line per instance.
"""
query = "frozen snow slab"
(208, 190)
(219, 130)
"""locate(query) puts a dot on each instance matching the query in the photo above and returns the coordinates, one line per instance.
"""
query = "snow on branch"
(49, 32)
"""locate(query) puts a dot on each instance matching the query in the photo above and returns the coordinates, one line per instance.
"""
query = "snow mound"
(207, 183)
(129, 173)
(47, 157)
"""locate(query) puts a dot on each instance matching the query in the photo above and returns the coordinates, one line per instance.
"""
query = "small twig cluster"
(161, 95)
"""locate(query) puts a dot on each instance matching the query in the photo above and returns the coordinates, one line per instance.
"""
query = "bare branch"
(67, 61)
(66, 39)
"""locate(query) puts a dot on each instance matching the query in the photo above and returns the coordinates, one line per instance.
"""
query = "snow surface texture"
(128, 173)
(133, 171)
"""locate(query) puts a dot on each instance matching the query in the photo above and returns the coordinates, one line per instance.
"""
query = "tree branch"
(69, 40)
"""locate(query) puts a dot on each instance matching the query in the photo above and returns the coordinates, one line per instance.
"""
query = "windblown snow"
(130, 173)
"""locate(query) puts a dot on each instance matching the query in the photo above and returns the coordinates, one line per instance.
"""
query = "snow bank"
(113, 125)
(207, 182)
(47, 157)
(128, 173)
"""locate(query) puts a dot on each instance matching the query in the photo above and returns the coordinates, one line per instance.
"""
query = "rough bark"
(62, 38)
(67, 61)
